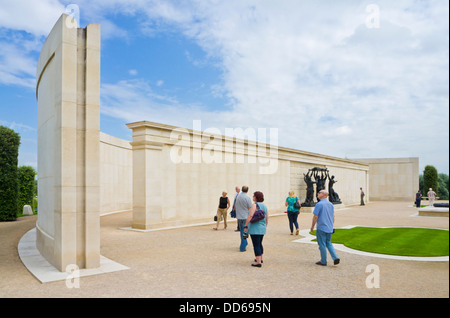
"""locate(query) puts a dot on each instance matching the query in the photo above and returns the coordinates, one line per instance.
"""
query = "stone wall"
(179, 174)
(393, 179)
(116, 175)
(68, 96)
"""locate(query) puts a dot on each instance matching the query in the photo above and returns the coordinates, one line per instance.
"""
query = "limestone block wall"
(202, 183)
(393, 179)
(199, 186)
(179, 174)
(116, 175)
(68, 96)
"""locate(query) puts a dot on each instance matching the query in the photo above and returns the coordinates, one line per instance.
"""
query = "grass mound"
(400, 241)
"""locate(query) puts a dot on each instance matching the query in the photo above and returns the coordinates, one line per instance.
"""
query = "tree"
(9, 153)
(430, 179)
(443, 192)
(421, 183)
(26, 175)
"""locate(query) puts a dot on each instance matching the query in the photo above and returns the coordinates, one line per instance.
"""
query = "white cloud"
(35, 17)
(339, 131)
(17, 67)
(18, 127)
(23, 24)
(135, 100)
(289, 63)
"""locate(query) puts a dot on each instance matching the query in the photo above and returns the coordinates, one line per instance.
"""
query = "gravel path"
(199, 262)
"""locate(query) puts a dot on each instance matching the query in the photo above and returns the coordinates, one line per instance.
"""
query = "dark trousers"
(257, 244)
(292, 216)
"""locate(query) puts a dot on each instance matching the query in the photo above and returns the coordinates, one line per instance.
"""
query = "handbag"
(233, 213)
(258, 215)
(297, 205)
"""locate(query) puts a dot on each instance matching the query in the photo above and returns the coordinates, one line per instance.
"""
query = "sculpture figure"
(333, 195)
(320, 177)
(309, 200)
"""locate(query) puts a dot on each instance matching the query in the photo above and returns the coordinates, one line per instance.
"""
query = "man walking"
(242, 206)
(431, 196)
(324, 217)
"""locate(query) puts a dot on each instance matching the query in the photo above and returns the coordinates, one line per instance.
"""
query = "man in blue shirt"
(324, 217)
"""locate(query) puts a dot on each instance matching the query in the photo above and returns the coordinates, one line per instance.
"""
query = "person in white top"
(431, 196)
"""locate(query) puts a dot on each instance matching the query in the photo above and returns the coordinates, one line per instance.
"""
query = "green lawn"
(395, 241)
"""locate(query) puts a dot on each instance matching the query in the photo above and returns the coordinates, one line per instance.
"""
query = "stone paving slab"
(198, 262)
(45, 272)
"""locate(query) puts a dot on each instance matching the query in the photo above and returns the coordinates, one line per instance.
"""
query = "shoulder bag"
(258, 215)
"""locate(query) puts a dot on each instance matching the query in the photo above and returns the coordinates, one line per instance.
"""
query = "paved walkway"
(200, 262)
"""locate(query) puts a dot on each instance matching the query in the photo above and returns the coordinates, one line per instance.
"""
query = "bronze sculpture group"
(320, 176)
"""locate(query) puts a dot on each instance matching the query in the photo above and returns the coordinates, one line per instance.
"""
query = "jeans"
(257, 244)
(292, 216)
(324, 241)
(244, 243)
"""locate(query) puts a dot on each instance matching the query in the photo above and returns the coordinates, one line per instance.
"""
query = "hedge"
(9, 186)
(26, 175)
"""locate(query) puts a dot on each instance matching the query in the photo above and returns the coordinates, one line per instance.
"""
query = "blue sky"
(355, 79)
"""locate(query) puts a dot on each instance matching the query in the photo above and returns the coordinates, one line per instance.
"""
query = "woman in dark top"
(222, 210)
